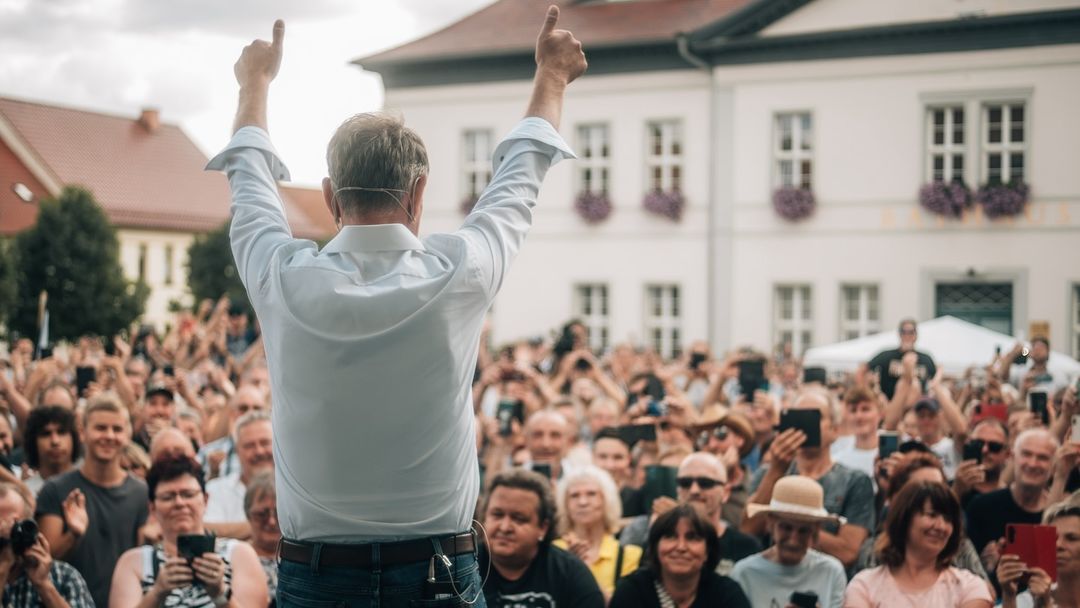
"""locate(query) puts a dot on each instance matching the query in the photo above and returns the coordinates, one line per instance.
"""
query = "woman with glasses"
(683, 551)
(260, 505)
(922, 535)
(228, 574)
(589, 509)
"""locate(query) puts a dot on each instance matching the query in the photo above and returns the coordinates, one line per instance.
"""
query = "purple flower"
(593, 207)
(1003, 200)
(466, 205)
(667, 204)
(793, 204)
(945, 199)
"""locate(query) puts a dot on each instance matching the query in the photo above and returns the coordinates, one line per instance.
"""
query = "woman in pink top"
(921, 535)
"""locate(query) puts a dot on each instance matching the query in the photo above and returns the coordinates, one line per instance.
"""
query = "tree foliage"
(212, 270)
(7, 278)
(73, 254)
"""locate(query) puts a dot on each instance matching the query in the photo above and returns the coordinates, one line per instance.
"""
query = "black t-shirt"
(638, 590)
(887, 365)
(116, 514)
(734, 546)
(988, 513)
(555, 579)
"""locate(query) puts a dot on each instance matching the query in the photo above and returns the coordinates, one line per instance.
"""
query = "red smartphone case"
(1035, 544)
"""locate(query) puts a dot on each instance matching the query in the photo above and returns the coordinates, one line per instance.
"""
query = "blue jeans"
(397, 586)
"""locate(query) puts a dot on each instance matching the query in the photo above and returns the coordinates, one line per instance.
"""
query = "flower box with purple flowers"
(793, 204)
(945, 199)
(593, 207)
(1003, 200)
(668, 204)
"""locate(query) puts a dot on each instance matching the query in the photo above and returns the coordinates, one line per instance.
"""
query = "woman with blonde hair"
(589, 509)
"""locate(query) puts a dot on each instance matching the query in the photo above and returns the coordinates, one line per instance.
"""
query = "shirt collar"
(378, 237)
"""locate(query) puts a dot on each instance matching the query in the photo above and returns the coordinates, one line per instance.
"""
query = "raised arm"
(256, 68)
(559, 60)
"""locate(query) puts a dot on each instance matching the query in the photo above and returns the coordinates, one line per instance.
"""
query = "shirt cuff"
(255, 138)
(538, 130)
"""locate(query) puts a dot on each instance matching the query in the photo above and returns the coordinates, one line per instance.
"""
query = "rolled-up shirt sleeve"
(259, 226)
(497, 225)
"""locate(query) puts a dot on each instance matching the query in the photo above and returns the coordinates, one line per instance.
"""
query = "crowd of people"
(138, 470)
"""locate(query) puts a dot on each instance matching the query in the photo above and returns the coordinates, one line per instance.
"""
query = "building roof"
(512, 26)
(312, 203)
(144, 174)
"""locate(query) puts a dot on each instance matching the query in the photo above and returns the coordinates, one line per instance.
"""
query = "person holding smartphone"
(1064, 516)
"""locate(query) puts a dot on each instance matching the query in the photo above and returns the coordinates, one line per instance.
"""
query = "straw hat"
(736, 423)
(797, 497)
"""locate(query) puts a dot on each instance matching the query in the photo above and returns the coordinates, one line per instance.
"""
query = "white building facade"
(860, 106)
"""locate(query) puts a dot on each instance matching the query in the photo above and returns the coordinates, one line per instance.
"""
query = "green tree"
(73, 254)
(7, 279)
(211, 269)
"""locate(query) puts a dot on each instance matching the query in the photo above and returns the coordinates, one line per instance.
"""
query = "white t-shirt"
(945, 449)
(856, 458)
(767, 583)
(226, 500)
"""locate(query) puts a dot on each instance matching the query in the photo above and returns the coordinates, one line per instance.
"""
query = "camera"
(23, 536)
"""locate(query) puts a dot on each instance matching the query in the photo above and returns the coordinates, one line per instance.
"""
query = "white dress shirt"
(371, 345)
(225, 500)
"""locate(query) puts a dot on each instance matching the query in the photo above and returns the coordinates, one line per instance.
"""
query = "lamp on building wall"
(22, 191)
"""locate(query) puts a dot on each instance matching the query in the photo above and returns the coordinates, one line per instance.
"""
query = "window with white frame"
(663, 319)
(594, 159)
(168, 264)
(1076, 321)
(859, 314)
(1003, 145)
(946, 143)
(664, 156)
(591, 307)
(793, 150)
(477, 168)
(793, 317)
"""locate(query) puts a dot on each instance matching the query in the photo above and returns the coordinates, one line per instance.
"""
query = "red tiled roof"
(141, 178)
(512, 25)
(311, 201)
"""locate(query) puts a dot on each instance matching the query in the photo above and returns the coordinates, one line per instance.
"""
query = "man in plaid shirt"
(34, 578)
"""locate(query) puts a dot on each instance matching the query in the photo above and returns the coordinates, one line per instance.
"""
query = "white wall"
(869, 163)
(630, 249)
(157, 305)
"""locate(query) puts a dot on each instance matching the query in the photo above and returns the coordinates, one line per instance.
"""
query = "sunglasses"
(994, 447)
(705, 483)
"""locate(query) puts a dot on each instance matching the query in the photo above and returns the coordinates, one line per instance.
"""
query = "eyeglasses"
(187, 495)
(705, 483)
(907, 332)
(262, 516)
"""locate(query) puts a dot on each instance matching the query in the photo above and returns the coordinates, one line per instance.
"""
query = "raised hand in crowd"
(76, 518)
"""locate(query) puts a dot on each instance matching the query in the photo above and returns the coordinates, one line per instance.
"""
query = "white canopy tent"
(954, 344)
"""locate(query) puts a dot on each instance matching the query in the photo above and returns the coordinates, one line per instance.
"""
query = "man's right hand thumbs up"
(558, 53)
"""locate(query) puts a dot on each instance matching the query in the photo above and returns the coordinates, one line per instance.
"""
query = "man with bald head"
(547, 438)
(171, 442)
(219, 457)
(848, 493)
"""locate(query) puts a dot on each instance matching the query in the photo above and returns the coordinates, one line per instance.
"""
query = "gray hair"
(602, 479)
(189, 413)
(260, 486)
(249, 418)
(374, 150)
(826, 398)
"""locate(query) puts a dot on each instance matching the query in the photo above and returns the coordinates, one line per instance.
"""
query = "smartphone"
(509, 409)
(813, 374)
(110, 347)
(973, 451)
(169, 369)
(803, 599)
(751, 377)
(982, 411)
(696, 359)
(656, 409)
(83, 377)
(633, 433)
(542, 468)
(888, 442)
(45, 352)
(1037, 403)
(1035, 544)
(1021, 359)
(1075, 437)
(807, 421)
(659, 481)
(190, 546)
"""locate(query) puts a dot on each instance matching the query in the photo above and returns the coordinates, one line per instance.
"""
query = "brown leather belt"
(360, 555)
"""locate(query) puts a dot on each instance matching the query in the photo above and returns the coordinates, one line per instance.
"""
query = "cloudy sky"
(119, 56)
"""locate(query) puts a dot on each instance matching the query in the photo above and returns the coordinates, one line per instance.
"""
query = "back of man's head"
(374, 151)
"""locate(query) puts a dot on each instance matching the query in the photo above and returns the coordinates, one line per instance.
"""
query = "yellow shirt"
(603, 569)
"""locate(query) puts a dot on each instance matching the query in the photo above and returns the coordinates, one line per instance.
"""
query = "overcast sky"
(119, 56)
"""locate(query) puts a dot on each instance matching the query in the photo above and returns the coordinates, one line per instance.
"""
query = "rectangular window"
(477, 167)
(591, 307)
(793, 317)
(594, 159)
(168, 264)
(946, 146)
(142, 262)
(793, 150)
(663, 319)
(664, 155)
(1003, 145)
(859, 311)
